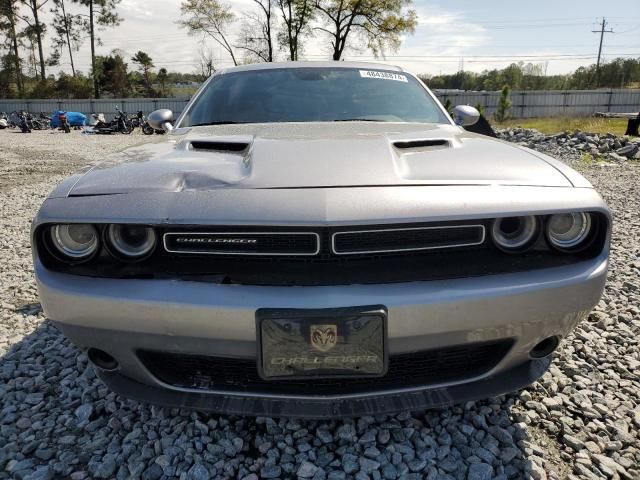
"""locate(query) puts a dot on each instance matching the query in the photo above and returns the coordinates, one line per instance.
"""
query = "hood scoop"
(217, 146)
(422, 144)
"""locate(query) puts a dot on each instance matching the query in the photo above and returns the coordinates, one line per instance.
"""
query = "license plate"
(324, 343)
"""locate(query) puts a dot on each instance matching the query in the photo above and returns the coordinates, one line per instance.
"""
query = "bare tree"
(69, 29)
(379, 22)
(296, 15)
(209, 18)
(206, 61)
(256, 36)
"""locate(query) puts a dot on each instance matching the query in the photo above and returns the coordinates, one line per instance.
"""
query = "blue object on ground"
(75, 119)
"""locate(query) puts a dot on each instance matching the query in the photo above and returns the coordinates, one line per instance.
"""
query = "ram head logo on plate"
(324, 337)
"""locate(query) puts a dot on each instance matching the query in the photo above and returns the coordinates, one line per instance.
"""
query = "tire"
(126, 128)
(147, 129)
(67, 128)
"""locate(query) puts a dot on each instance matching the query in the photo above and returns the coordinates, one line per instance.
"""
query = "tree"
(113, 76)
(256, 36)
(102, 13)
(296, 15)
(8, 15)
(145, 63)
(504, 104)
(68, 29)
(206, 62)
(37, 29)
(209, 18)
(379, 22)
(73, 86)
(162, 78)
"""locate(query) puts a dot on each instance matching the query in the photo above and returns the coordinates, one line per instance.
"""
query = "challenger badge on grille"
(243, 243)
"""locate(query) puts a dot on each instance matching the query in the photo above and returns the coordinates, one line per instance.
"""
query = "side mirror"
(161, 120)
(465, 115)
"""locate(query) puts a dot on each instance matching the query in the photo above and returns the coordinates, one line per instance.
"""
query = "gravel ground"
(58, 421)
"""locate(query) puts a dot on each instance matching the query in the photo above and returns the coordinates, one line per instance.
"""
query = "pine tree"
(504, 104)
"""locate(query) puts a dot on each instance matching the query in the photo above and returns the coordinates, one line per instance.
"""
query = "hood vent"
(212, 146)
(429, 144)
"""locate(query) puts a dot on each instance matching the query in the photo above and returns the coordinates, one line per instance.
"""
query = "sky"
(469, 34)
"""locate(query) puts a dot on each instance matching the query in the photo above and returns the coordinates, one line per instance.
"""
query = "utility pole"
(602, 31)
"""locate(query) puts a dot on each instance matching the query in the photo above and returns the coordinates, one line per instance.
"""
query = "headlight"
(568, 231)
(75, 241)
(514, 234)
(131, 241)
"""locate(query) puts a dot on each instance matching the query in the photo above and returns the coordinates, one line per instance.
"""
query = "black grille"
(407, 239)
(243, 243)
(416, 369)
(290, 264)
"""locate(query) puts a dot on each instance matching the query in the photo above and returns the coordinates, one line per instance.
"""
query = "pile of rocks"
(606, 147)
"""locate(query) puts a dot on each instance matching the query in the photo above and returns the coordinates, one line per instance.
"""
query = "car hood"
(316, 155)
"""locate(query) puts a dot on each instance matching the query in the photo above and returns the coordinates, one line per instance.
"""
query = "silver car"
(320, 239)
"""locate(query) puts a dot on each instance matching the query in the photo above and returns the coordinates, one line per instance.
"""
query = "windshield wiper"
(223, 122)
(358, 120)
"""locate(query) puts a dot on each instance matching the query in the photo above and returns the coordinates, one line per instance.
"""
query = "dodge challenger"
(320, 239)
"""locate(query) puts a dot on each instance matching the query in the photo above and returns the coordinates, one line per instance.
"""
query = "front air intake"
(212, 146)
(430, 144)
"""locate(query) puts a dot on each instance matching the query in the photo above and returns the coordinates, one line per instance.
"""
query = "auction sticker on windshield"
(383, 75)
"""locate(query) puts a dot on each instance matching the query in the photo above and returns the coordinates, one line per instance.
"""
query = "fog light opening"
(545, 347)
(102, 360)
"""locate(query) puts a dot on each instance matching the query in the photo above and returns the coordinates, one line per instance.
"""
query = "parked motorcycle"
(45, 119)
(23, 122)
(120, 124)
(141, 121)
(14, 119)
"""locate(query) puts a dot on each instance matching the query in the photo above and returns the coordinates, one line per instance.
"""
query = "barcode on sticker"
(383, 75)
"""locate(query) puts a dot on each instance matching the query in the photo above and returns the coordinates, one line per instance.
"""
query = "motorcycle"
(14, 119)
(45, 119)
(122, 122)
(141, 121)
(23, 122)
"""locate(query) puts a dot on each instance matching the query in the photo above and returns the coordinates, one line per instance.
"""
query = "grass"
(555, 125)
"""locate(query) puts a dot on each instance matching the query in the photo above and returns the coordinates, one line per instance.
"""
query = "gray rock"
(153, 472)
(198, 472)
(106, 468)
(306, 470)
(389, 471)
(271, 471)
(480, 471)
(83, 412)
(573, 442)
(41, 473)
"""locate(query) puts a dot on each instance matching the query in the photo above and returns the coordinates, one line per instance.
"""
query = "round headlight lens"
(76, 241)
(514, 233)
(567, 231)
(132, 241)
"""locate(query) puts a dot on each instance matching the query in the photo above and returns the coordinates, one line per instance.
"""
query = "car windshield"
(313, 95)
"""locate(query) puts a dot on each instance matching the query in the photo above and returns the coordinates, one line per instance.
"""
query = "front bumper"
(123, 316)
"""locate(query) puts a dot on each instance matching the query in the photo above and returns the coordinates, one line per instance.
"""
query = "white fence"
(526, 104)
(550, 103)
(106, 105)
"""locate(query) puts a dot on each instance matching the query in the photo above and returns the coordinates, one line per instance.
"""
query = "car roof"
(326, 64)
